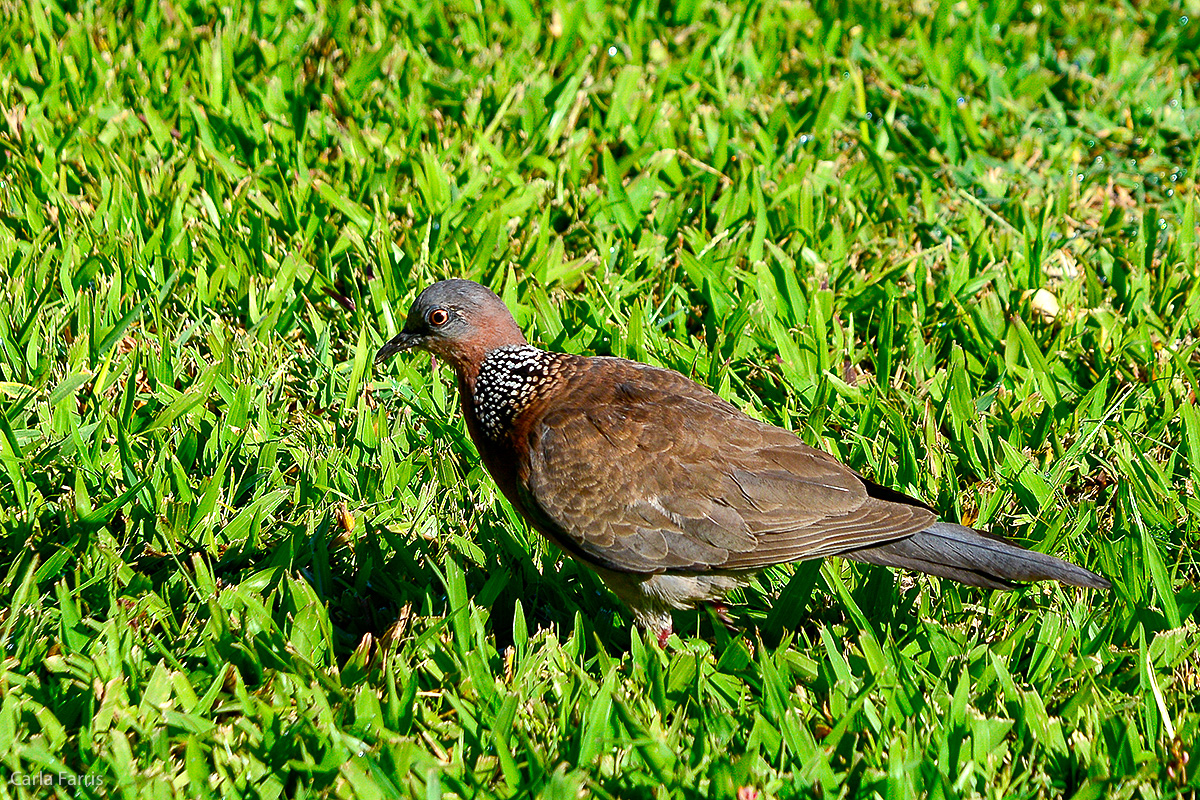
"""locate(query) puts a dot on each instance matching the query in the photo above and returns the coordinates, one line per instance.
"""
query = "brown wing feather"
(642, 470)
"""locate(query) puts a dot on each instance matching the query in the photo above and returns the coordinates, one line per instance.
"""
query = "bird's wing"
(646, 471)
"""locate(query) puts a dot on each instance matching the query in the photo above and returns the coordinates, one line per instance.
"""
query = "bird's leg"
(664, 633)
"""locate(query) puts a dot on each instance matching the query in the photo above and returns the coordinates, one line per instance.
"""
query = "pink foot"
(663, 635)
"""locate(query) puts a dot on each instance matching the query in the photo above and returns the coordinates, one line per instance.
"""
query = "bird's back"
(639, 469)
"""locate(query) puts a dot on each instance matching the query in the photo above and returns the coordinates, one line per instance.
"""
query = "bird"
(672, 495)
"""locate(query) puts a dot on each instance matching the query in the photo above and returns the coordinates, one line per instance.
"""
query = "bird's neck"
(467, 357)
(467, 362)
(487, 412)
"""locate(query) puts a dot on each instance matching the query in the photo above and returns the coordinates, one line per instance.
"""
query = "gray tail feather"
(975, 558)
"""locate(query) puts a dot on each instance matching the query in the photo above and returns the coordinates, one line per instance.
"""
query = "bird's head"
(459, 320)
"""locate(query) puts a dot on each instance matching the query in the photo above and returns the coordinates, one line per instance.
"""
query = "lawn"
(954, 244)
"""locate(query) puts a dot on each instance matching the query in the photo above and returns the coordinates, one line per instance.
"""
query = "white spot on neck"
(510, 378)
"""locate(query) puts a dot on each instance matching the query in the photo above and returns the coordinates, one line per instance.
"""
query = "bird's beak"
(398, 344)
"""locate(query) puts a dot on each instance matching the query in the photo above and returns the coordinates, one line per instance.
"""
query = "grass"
(954, 244)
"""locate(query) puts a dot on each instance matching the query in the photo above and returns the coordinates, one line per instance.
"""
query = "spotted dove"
(671, 494)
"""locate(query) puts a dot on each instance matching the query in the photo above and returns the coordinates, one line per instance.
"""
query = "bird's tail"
(975, 558)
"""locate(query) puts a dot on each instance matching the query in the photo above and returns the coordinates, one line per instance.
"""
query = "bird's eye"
(438, 317)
